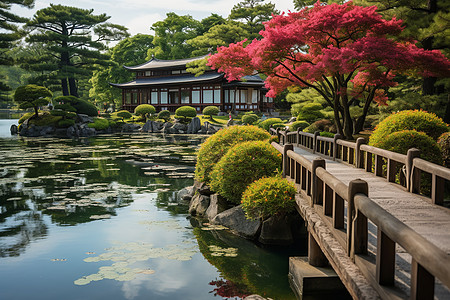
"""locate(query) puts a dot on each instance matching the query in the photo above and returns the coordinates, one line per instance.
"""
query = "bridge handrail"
(426, 257)
(385, 153)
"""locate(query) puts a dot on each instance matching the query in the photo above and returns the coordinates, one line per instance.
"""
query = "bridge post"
(316, 134)
(317, 184)
(298, 137)
(412, 180)
(316, 257)
(359, 158)
(286, 165)
(337, 136)
(357, 186)
(279, 136)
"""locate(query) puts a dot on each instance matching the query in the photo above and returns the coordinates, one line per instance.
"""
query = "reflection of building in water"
(167, 85)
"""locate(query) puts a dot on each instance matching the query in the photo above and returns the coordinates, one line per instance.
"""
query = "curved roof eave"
(155, 63)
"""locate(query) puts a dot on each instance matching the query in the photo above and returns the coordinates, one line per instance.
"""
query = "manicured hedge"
(241, 165)
(186, 112)
(99, 124)
(210, 111)
(298, 125)
(249, 119)
(269, 122)
(144, 109)
(164, 114)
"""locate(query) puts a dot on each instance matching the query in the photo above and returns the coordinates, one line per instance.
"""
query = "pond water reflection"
(98, 218)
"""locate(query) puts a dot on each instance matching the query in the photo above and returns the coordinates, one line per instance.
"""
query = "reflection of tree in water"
(254, 270)
(227, 289)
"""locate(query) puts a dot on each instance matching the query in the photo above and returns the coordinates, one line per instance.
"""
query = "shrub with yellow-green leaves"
(267, 197)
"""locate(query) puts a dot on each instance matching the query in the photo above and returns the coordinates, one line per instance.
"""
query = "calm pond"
(97, 218)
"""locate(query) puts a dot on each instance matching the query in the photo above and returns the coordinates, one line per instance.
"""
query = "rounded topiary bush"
(269, 122)
(298, 125)
(267, 197)
(212, 150)
(144, 109)
(164, 115)
(444, 143)
(241, 165)
(210, 111)
(401, 141)
(124, 114)
(65, 107)
(418, 120)
(249, 119)
(65, 123)
(186, 112)
(99, 124)
(310, 112)
(81, 106)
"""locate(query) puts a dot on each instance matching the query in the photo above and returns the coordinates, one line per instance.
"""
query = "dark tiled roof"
(171, 80)
(155, 63)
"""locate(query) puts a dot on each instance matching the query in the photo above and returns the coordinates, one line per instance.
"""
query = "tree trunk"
(73, 87)
(65, 89)
(36, 111)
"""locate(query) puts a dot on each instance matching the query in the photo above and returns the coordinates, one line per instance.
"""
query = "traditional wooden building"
(167, 85)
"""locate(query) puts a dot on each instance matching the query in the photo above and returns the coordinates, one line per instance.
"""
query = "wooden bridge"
(366, 217)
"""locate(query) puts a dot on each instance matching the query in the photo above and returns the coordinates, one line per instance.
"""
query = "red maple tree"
(347, 53)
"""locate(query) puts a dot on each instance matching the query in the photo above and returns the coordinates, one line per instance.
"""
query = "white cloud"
(142, 23)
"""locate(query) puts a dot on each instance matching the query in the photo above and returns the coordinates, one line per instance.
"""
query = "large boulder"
(73, 131)
(148, 127)
(276, 230)
(130, 127)
(82, 118)
(185, 194)
(194, 126)
(180, 128)
(14, 130)
(202, 188)
(198, 205)
(85, 131)
(234, 218)
(166, 127)
(217, 205)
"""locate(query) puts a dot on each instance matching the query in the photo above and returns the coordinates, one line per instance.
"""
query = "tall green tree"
(10, 32)
(253, 13)
(73, 40)
(171, 35)
(128, 52)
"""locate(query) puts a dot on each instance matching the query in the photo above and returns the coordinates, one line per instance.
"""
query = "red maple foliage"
(347, 53)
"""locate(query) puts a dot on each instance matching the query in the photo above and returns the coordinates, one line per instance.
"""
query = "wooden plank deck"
(430, 221)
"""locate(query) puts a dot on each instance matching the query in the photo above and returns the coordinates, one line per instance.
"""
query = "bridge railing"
(347, 211)
(401, 169)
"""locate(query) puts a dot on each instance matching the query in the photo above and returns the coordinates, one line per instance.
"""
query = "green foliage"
(64, 123)
(310, 112)
(212, 150)
(185, 112)
(415, 100)
(269, 122)
(418, 120)
(210, 111)
(298, 125)
(64, 114)
(326, 134)
(444, 143)
(267, 197)
(241, 165)
(401, 141)
(124, 114)
(249, 119)
(25, 117)
(45, 120)
(321, 125)
(99, 124)
(164, 114)
(32, 96)
(65, 107)
(144, 109)
(81, 106)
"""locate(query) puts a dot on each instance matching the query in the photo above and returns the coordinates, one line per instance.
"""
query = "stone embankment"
(82, 129)
(275, 230)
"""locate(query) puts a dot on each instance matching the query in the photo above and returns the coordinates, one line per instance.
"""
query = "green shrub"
(274, 138)
(26, 117)
(267, 197)
(310, 112)
(418, 120)
(185, 112)
(164, 114)
(65, 107)
(212, 150)
(401, 141)
(124, 114)
(46, 119)
(144, 109)
(210, 111)
(81, 106)
(321, 125)
(279, 125)
(99, 124)
(269, 122)
(249, 119)
(241, 165)
(298, 125)
(327, 134)
(65, 123)
(444, 144)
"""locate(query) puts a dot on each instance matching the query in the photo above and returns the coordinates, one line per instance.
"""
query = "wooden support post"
(359, 154)
(316, 134)
(437, 189)
(304, 175)
(356, 186)
(385, 273)
(315, 255)
(327, 200)
(286, 148)
(378, 165)
(317, 184)
(391, 170)
(298, 136)
(351, 156)
(422, 283)
(298, 173)
(411, 186)
(338, 211)
(368, 162)
(360, 236)
(335, 145)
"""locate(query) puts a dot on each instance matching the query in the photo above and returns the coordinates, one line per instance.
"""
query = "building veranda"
(167, 85)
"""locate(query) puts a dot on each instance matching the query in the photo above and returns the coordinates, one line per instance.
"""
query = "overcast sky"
(139, 15)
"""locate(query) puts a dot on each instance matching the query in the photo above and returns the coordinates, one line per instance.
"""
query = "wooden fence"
(347, 209)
